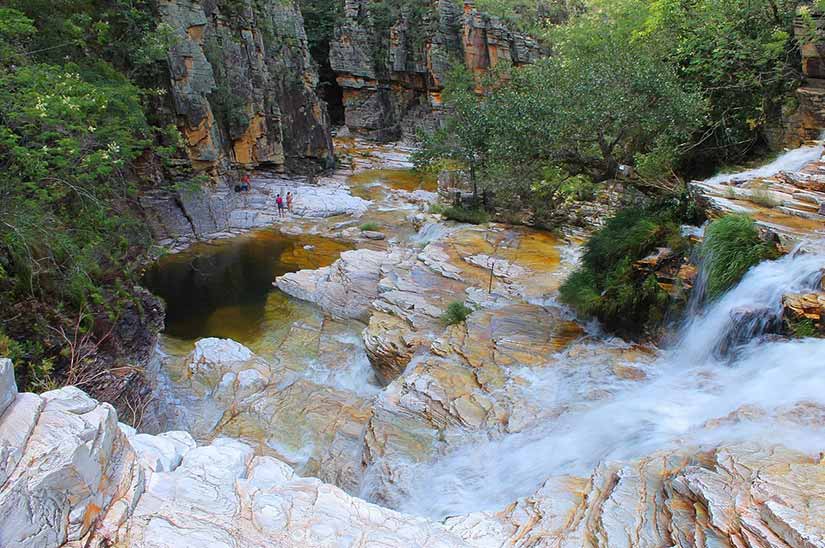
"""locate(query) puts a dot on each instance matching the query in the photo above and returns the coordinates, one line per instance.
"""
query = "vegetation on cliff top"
(72, 123)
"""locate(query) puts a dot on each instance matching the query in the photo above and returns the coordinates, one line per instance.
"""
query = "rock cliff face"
(243, 84)
(392, 78)
(807, 121)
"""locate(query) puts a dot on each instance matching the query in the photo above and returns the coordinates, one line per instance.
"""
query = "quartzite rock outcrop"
(70, 475)
(392, 78)
(243, 84)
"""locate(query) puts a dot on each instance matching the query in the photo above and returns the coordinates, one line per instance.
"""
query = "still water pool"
(224, 288)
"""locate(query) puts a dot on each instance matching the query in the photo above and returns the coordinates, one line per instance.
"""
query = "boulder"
(69, 464)
(211, 352)
(809, 307)
(344, 289)
(224, 496)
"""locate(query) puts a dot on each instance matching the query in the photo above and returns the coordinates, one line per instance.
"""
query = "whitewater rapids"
(693, 397)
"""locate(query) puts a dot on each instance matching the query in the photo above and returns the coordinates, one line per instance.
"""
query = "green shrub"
(457, 312)
(607, 287)
(370, 227)
(437, 208)
(466, 215)
(732, 246)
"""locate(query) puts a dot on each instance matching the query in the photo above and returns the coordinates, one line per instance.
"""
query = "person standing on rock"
(246, 185)
(289, 202)
(280, 202)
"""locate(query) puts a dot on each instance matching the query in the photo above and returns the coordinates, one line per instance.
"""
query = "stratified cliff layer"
(243, 85)
(392, 77)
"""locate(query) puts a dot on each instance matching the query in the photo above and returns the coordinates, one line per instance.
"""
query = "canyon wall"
(243, 85)
(392, 78)
(805, 123)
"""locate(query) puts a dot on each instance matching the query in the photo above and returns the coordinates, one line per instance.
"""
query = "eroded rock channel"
(346, 413)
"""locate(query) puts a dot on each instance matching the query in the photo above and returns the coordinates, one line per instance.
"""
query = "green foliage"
(607, 286)
(670, 87)
(465, 136)
(370, 227)
(457, 312)
(731, 247)
(437, 208)
(531, 16)
(72, 124)
(534, 134)
(803, 328)
(320, 19)
(466, 215)
(739, 53)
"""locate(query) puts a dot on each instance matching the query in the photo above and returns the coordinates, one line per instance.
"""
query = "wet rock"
(320, 429)
(210, 353)
(373, 235)
(390, 345)
(735, 496)
(345, 289)
(222, 495)
(808, 307)
(653, 261)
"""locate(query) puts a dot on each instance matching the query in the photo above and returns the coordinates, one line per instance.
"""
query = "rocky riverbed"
(355, 417)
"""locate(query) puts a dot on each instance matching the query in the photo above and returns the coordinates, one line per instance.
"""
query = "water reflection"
(224, 288)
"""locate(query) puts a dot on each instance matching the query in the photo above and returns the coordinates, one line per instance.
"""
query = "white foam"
(688, 390)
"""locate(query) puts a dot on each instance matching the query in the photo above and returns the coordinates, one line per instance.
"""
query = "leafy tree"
(742, 56)
(466, 134)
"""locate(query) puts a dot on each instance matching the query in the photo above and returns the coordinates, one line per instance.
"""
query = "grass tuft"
(732, 246)
(457, 312)
(370, 227)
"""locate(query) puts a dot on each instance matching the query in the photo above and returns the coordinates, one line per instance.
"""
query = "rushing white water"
(691, 397)
(356, 375)
(792, 160)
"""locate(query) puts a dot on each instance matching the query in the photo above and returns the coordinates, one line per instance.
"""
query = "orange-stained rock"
(805, 306)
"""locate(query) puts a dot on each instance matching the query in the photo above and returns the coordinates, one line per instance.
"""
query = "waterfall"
(690, 399)
(793, 160)
(750, 308)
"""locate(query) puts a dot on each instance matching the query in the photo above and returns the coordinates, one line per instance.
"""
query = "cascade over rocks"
(71, 475)
(785, 198)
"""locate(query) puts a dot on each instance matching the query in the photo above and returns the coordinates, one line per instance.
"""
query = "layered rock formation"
(243, 85)
(194, 214)
(392, 77)
(738, 496)
(72, 476)
(786, 196)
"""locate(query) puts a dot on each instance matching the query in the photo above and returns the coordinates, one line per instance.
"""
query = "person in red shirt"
(280, 202)
(246, 185)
